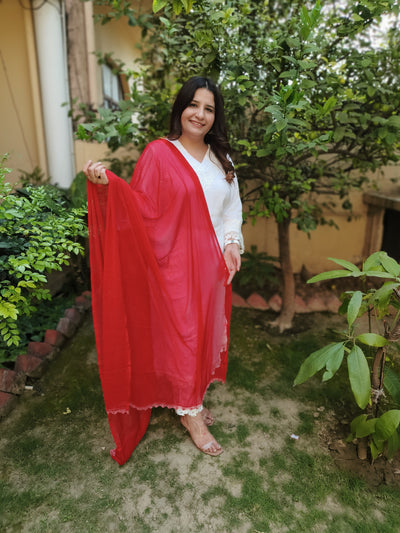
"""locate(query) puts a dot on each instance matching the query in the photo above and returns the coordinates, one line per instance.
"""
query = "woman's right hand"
(96, 172)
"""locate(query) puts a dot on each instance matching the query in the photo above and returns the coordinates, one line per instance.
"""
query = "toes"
(212, 448)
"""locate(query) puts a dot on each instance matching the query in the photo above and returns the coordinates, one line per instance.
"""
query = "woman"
(164, 250)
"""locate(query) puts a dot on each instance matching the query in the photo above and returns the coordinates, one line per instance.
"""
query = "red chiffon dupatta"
(161, 306)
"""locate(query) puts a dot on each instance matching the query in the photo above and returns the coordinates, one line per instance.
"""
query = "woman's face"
(198, 117)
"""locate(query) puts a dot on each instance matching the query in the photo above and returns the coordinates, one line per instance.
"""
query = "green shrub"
(256, 273)
(38, 233)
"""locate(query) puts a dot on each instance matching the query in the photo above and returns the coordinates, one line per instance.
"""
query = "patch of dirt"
(333, 433)
(334, 429)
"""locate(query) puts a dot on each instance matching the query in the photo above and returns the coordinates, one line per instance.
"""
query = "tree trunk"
(285, 319)
(378, 369)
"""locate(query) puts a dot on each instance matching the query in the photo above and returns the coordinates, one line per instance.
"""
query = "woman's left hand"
(232, 259)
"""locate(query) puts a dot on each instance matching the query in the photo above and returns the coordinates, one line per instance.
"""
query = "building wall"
(21, 134)
(354, 239)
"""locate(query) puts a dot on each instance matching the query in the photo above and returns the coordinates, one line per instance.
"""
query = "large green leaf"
(376, 448)
(361, 426)
(377, 274)
(317, 360)
(391, 382)
(394, 120)
(381, 297)
(333, 363)
(187, 5)
(372, 339)
(345, 264)
(354, 307)
(332, 274)
(387, 424)
(359, 376)
(177, 6)
(390, 265)
(159, 4)
(373, 262)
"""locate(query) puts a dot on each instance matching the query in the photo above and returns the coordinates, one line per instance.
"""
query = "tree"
(312, 105)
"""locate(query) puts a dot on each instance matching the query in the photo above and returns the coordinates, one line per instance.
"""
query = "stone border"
(324, 301)
(34, 362)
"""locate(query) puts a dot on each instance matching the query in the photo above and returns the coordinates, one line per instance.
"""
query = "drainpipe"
(51, 47)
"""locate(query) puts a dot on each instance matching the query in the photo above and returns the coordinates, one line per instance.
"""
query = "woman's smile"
(198, 117)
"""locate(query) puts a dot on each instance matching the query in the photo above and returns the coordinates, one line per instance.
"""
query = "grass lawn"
(56, 474)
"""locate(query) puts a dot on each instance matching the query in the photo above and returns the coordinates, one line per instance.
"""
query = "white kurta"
(223, 199)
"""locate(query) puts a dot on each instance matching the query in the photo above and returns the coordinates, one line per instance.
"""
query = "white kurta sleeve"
(232, 217)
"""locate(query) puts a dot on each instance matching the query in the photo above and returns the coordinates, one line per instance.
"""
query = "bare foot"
(207, 416)
(201, 437)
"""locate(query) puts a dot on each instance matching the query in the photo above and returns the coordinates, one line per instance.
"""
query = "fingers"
(232, 260)
(95, 172)
(232, 271)
(230, 278)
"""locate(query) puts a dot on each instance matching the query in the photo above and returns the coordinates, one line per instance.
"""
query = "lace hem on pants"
(190, 412)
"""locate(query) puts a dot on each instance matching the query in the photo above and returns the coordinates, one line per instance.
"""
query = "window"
(390, 238)
(112, 88)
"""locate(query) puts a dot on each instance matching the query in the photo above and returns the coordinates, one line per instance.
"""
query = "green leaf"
(177, 6)
(275, 111)
(263, 152)
(159, 4)
(373, 261)
(281, 124)
(390, 265)
(359, 376)
(372, 339)
(329, 105)
(362, 427)
(375, 450)
(339, 133)
(353, 307)
(345, 264)
(317, 360)
(391, 382)
(387, 424)
(393, 444)
(331, 274)
(333, 364)
(394, 120)
(377, 274)
(354, 423)
(382, 298)
(187, 4)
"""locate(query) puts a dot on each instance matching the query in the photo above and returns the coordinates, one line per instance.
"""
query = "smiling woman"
(197, 120)
(164, 251)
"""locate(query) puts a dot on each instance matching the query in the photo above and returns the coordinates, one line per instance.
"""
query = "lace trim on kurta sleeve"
(234, 237)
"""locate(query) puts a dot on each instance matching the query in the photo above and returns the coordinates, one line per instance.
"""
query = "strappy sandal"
(205, 448)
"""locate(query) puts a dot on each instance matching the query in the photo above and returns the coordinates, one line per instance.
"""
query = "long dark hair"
(217, 137)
